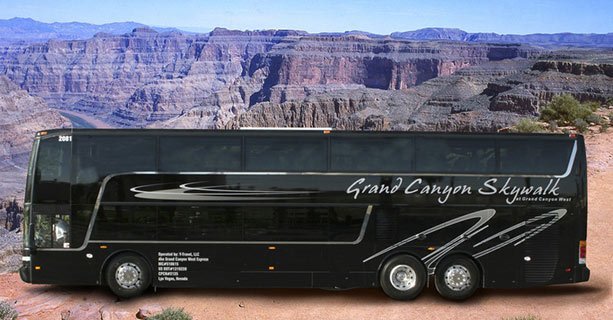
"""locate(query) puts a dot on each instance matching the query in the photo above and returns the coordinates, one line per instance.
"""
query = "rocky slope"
(22, 115)
(10, 249)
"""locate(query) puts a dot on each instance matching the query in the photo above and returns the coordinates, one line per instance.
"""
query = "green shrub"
(527, 125)
(604, 127)
(592, 105)
(581, 125)
(7, 312)
(565, 109)
(172, 314)
(594, 118)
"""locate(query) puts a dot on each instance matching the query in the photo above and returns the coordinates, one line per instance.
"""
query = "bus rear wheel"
(403, 277)
(457, 278)
(128, 275)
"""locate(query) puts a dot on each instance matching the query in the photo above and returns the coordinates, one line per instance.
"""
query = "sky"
(381, 17)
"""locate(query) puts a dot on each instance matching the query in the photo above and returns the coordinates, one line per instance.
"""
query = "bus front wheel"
(128, 275)
(457, 278)
(403, 277)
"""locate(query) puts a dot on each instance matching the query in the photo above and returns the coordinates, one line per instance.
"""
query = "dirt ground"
(591, 300)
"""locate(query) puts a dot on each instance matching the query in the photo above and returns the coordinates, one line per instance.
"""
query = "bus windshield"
(52, 193)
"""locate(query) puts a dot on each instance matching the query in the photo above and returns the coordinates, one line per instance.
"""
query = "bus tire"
(403, 277)
(457, 278)
(128, 275)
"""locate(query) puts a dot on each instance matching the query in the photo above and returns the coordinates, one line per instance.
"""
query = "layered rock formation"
(144, 77)
(360, 109)
(21, 116)
(588, 76)
(224, 79)
(101, 73)
(372, 63)
(485, 97)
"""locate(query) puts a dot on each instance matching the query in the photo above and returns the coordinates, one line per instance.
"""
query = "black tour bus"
(134, 209)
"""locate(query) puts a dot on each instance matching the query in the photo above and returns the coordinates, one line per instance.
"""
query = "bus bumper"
(24, 273)
(582, 274)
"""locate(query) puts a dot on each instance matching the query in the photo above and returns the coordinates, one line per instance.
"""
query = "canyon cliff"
(483, 97)
(227, 79)
(144, 77)
(22, 115)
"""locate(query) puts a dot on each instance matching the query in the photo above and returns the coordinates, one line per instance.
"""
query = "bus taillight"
(582, 251)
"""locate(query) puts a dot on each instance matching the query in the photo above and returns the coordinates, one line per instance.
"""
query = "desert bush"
(594, 118)
(172, 314)
(527, 125)
(604, 127)
(7, 312)
(592, 105)
(581, 125)
(565, 109)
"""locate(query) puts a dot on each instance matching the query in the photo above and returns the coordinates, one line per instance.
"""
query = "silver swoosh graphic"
(555, 214)
(192, 192)
(483, 216)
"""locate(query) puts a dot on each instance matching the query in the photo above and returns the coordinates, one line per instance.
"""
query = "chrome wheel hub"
(128, 276)
(403, 277)
(457, 278)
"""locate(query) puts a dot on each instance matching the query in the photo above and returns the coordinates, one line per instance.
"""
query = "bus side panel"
(230, 265)
(501, 268)
(64, 268)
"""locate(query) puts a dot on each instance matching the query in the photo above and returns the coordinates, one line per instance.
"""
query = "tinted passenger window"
(346, 223)
(285, 154)
(200, 223)
(534, 156)
(455, 155)
(125, 223)
(286, 224)
(371, 154)
(200, 154)
(98, 156)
